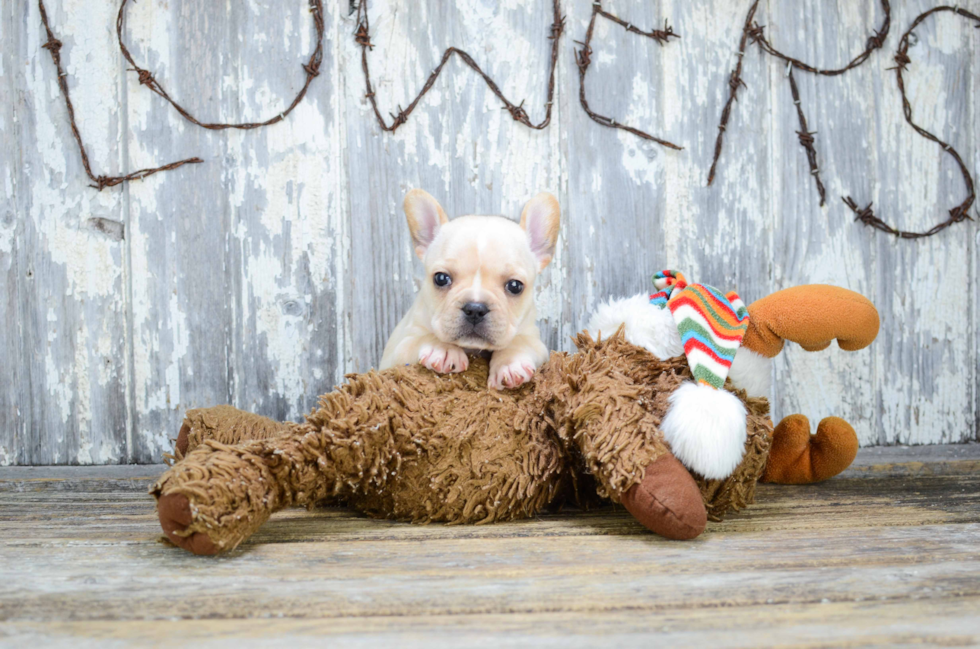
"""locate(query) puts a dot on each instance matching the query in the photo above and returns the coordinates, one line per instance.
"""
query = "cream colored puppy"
(478, 290)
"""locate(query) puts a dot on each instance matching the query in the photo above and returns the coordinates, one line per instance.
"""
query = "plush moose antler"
(812, 316)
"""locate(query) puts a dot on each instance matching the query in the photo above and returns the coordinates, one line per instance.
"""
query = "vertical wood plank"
(925, 367)
(614, 225)
(11, 196)
(183, 272)
(289, 219)
(974, 357)
(65, 329)
(235, 267)
(822, 245)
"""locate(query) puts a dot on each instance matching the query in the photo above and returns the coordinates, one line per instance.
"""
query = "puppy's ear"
(424, 216)
(540, 221)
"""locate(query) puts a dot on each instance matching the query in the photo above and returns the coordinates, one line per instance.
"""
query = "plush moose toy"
(643, 414)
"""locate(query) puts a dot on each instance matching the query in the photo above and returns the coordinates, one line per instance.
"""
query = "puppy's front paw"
(443, 358)
(510, 373)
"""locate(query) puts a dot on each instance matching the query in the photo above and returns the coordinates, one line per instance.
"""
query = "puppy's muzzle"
(475, 312)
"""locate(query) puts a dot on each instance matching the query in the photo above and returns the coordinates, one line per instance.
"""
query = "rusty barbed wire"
(734, 83)
(752, 33)
(362, 36)
(874, 42)
(583, 58)
(755, 32)
(311, 68)
(53, 46)
(959, 213)
(806, 140)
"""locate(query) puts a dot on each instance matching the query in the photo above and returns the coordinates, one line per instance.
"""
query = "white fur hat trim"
(752, 372)
(647, 325)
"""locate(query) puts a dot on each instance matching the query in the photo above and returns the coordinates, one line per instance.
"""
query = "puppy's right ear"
(424, 216)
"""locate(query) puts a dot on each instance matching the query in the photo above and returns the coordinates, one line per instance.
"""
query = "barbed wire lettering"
(53, 46)
(362, 36)
(311, 68)
(583, 58)
(959, 213)
(756, 33)
(752, 34)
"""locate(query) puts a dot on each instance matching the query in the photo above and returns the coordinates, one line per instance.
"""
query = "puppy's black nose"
(475, 311)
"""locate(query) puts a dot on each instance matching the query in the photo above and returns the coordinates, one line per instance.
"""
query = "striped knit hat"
(711, 325)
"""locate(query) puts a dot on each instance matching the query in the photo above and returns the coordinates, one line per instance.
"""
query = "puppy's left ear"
(540, 221)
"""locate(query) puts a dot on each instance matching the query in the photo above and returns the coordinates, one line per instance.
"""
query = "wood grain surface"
(262, 276)
(886, 554)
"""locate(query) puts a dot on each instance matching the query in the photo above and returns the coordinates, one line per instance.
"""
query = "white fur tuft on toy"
(645, 325)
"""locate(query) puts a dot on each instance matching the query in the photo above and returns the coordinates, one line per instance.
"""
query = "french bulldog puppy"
(478, 291)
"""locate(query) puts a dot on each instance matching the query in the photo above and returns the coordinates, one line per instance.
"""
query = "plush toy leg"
(668, 500)
(219, 495)
(796, 457)
(224, 424)
(632, 464)
(216, 497)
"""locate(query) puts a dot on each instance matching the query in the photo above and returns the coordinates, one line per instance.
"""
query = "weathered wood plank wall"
(262, 276)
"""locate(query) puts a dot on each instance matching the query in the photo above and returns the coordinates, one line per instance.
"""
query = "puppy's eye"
(514, 287)
(442, 280)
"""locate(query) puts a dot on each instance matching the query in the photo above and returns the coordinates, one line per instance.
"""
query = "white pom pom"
(705, 428)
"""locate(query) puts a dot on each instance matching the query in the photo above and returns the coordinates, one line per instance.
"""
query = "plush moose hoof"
(796, 457)
(175, 515)
(668, 500)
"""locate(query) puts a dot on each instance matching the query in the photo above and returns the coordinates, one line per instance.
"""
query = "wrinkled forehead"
(471, 242)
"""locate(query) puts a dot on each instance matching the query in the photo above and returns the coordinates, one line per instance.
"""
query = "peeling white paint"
(263, 275)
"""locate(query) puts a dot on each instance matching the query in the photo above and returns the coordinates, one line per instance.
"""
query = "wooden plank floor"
(887, 554)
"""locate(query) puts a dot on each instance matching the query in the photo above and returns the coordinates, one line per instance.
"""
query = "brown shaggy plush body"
(413, 445)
